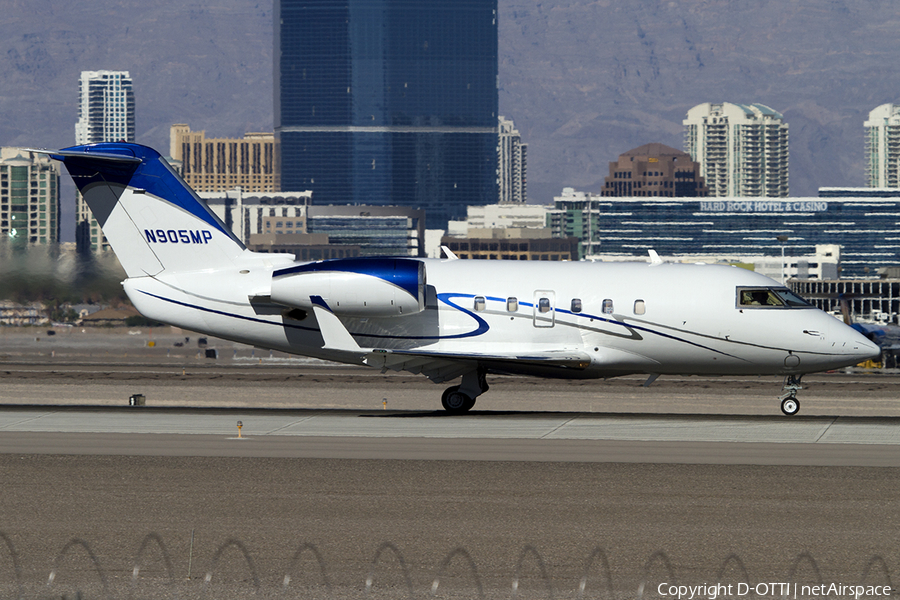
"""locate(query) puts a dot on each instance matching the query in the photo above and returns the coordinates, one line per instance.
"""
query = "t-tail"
(153, 220)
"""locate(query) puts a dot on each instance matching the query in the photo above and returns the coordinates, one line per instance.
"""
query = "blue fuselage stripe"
(227, 314)
(482, 327)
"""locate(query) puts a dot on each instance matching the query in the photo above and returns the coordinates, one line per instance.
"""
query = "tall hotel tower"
(742, 148)
(105, 114)
(388, 102)
(883, 147)
(513, 167)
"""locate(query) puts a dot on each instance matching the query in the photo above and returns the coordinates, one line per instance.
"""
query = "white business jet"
(448, 318)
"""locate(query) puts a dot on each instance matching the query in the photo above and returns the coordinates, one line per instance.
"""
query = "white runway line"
(591, 427)
(824, 430)
(18, 421)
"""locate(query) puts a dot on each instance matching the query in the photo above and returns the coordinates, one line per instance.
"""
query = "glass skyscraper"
(388, 102)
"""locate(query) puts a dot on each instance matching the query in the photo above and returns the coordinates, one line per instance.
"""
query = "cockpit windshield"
(766, 297)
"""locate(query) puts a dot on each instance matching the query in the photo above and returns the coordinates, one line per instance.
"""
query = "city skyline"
(579, 92)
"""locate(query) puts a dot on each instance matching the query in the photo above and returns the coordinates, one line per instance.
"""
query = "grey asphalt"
(490, 425)
(281, 383)
(667, 489)
(476, 436)
(250, 516)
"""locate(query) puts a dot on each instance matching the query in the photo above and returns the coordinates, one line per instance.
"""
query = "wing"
(439, 366)
(444, 366)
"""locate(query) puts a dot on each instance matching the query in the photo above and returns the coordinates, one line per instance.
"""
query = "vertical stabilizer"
(153, 220)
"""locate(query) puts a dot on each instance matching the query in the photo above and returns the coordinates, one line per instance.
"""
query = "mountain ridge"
(583, 80)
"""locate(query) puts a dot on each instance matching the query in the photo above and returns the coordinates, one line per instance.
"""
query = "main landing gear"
(461, 398)
(789, 403)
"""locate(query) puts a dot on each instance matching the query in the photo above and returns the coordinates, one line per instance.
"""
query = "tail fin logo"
(178, 236)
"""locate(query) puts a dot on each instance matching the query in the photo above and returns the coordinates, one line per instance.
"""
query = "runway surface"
(669, 481)
(476, 436)
(483, 425)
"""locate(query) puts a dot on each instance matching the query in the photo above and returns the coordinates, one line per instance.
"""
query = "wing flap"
(444, 366)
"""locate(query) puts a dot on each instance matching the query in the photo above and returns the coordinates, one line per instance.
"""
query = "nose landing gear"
(789, 403)
(461, 398)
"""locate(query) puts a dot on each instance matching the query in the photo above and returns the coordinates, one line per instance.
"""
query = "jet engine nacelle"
(358, 287)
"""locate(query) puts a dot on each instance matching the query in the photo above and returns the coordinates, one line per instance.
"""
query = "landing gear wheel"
(790, 406)
(789, 403)
(456, 402)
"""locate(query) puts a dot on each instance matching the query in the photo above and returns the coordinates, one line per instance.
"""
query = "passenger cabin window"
(544, 305)
(607, 307)
(576, 305)
(639, 307)
(479, 304)
(769, 298)
(512, 304)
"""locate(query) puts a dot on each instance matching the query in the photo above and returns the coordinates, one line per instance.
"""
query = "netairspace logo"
(776, 589)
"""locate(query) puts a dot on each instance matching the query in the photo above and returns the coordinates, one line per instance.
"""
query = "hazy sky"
(584, 80)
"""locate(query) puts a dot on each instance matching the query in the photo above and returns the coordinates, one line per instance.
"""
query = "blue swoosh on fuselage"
(446, 297)
(483, 326)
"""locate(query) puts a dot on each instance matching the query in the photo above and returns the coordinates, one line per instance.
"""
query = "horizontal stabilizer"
(61, 155)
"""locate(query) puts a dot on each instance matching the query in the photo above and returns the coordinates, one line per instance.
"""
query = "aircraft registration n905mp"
(448, 319)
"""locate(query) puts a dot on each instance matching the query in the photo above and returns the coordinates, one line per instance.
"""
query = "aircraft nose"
(860, 346)
(845, 346)
(870, 350)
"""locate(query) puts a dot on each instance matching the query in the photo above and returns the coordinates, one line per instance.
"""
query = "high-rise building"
(105, 114)
(654, 170)
(219, 164)
(105, 107)
(883, 147)
(512, 157)
(245, 213)
(742, 148)
(388, 102)
(29, 197)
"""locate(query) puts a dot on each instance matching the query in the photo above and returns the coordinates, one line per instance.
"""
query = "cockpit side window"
(765, 297)
(792, 299)
(758, 297)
